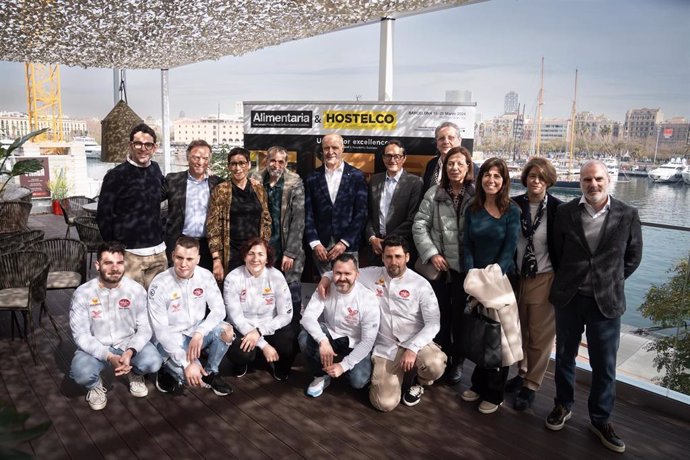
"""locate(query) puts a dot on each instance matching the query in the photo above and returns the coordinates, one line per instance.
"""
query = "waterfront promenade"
(269, 419)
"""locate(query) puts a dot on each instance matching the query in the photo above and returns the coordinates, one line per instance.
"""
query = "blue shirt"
(196, 207)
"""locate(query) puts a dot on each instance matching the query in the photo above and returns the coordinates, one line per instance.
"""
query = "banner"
(364, 126)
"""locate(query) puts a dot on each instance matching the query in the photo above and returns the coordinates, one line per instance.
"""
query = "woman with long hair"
(492, 223)
(438, 235)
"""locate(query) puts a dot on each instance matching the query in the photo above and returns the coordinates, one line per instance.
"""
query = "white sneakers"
(486, 407)
(137, 385)
(317, 386)
(470, 396)
(96, 396)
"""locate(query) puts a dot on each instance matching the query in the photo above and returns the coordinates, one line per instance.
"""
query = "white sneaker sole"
(139, 394)
(560, 426)
(100, 406)
(470, 398)
(605, 442)
(489, 410)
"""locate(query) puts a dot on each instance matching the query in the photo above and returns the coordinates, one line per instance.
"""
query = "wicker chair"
(67, 267)
(89, 234)
(14, 216)
(73, 207)
(23, 279)
(10, 242)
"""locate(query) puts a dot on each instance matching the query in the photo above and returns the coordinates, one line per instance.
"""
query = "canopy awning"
(162, 34)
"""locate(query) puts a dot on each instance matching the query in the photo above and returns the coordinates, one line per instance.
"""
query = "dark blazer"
(403, 206)
(552, 204)
(175, 190)
(343, 220)
(616, 258)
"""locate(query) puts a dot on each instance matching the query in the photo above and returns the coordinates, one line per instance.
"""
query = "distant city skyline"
(630, 54)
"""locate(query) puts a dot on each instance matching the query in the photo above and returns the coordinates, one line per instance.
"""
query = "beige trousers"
(387, 376)
(143, 269)
(538, 328)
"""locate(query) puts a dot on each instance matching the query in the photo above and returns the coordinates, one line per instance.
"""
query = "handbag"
(480, 339)
(427, 270)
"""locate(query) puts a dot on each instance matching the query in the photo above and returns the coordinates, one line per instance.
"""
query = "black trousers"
(490, 383)
(283, 340)
(451, 302)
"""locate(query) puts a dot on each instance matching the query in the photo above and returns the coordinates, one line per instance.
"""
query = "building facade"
(226, 129)
(511, 103)
(642, 123)
(16, 124)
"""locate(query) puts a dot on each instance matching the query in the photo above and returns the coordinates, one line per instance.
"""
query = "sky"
(629, 53)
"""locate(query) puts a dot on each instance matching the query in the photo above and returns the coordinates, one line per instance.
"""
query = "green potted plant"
(59, 188)
(21, 167)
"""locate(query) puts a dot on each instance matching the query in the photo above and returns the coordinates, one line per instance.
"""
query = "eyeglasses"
(143, 145)
(389, 157)
(238, 164)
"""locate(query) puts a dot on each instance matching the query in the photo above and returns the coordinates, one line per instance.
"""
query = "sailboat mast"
(572, 129)
(540, 103)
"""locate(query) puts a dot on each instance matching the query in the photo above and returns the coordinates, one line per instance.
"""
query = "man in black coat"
(188, 193)
(598, 245)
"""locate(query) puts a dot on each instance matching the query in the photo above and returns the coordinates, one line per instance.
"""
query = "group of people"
(558, 269)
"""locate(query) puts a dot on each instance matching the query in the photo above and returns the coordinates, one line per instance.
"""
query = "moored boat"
(686, 174)
(668, 173)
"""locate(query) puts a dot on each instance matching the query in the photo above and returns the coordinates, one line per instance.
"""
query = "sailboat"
(569, 178)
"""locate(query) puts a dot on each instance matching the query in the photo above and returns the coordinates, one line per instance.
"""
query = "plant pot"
(57, 210)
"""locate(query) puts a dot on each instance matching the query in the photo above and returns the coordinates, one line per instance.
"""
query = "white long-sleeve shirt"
(354, 315)
(177, 308)
(264, 301)
(410, 317)
(101, 318)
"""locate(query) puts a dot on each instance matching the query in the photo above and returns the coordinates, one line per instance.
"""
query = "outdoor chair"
(23, 278)
(16, 241)
(89, 234)
(67, 260)
(73, 207)
(14, 215)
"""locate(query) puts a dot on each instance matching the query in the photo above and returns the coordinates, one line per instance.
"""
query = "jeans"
(359, 375)
(86, 369)
(603, 338)
(214, 345)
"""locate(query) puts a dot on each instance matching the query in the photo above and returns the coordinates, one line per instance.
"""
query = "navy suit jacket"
(342, 220)
(615, 259)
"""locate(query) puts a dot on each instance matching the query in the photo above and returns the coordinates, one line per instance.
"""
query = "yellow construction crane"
(44, 99)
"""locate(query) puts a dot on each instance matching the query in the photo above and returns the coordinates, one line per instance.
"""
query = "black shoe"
(239, 370)
(454, 375)
(413, 395)
(166, 383)
(524, 399)
(277, 373)
(217, 384)
(608, 437)
(514, 384)
(557, 418)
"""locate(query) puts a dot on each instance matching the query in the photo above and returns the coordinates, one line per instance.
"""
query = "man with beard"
(339, 332)
(335, 205)
(110, 326)
(129, 207)
(188, 194)
(178, 298)
(598, 245)
(410, 320)
(285, 193)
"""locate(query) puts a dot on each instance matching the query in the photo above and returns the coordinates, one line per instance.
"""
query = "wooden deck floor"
(269, 419)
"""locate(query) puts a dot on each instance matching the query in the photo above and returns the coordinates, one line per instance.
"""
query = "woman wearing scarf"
(535, 243)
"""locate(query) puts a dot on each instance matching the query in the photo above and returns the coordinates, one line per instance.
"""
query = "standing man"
(188, 194)
(335, 205)
(285, 193)
(178, 298)
(598, 244)
(410, 320)
(129, 208)
(394, 198)
(447, 136)
(110, 326)
(339, 332)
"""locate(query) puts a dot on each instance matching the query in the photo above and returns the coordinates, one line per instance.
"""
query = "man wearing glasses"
(394, 197)
(188, 193)
(129, 208)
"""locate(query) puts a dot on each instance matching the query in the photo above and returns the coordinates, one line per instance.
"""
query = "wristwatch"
(259, 331)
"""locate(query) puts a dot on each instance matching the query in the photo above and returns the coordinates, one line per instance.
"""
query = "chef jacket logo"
(404, 293)
(379, 292)
(198, 292)
(243, 295)
(175, 307)
(267, 290)
(124, 303)
(96, 314)
(380, 282)
(95, 301)
(352, 315)
(175, 295)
